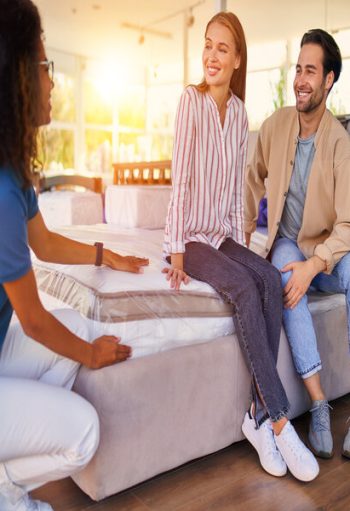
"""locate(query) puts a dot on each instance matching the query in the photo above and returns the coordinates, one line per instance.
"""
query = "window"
(63, 100)
(98, 146)
(59, 137)
(262, 91)
(266, 81)
(339, 101)
(99, 118)
(339, 98)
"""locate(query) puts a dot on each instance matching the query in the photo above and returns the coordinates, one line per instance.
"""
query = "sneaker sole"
(256, 450)
(321, 454)
(307, 479)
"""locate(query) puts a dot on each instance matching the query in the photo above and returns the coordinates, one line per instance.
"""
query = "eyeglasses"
(49, 66)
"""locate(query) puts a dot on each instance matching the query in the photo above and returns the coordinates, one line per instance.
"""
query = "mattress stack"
(70, 208)
(143, 207)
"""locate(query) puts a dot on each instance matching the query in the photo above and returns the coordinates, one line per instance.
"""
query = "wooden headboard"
(142, 173)
(70, 180)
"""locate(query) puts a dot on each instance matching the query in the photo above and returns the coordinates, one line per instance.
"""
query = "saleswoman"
(46, 431)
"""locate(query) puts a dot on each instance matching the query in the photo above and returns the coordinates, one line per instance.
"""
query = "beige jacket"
(325, 230)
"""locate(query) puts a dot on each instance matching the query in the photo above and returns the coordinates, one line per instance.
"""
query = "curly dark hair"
(20, 32)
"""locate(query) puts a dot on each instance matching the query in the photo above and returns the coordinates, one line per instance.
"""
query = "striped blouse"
(207, 173)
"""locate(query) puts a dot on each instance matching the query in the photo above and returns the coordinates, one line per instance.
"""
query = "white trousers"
(47, 432)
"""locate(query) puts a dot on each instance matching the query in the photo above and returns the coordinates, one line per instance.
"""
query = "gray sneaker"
(346, 445)
(320, 436)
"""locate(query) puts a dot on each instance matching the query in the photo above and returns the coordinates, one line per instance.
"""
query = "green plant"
(279, 90)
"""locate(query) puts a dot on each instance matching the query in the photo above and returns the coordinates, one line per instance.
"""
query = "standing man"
(305, 154)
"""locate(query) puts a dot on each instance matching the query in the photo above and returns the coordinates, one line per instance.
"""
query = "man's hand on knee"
(302, 274)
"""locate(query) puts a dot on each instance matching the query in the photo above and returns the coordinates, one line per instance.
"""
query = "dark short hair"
(331, 54)
(20, 33)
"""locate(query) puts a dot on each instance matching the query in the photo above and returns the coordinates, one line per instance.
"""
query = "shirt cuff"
(177, 247)
(324, 253)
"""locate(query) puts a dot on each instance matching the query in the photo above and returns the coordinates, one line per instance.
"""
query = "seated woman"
(204, 237)
(46, 431)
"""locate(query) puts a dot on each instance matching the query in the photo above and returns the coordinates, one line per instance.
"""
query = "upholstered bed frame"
(164, 409)
(160, 411)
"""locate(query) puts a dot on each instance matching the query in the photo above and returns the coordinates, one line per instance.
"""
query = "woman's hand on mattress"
(176, 277)
(131, 264)
(106, 351)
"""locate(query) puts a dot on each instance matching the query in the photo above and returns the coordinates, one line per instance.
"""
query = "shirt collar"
(229, 101)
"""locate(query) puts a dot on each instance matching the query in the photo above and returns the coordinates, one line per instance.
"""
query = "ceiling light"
(190, 19)
(147, 30)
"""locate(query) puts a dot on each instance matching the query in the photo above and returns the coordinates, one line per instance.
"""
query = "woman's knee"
(274, 278)
(56, 422)
(246, 294)
(85, 445)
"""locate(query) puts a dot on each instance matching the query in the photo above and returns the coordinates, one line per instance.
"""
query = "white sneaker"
(13, 497)
(263, 441)
(299, 459)
(25, 503)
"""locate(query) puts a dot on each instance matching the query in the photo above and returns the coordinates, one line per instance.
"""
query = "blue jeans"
(298, 322)
(253, 287)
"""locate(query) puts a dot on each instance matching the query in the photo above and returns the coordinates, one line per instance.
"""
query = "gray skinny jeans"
(253, 287)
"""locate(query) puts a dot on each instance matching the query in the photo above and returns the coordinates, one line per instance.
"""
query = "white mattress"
(63, 207)
(141, 309)
(137, 206)
(155, 335)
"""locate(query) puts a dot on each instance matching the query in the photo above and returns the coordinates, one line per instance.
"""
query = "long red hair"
(239, 76)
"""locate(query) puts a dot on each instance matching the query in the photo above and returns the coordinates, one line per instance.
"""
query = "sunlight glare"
(110, 83)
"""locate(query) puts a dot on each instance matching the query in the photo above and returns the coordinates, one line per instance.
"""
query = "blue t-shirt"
(292, 216)
(17, 206)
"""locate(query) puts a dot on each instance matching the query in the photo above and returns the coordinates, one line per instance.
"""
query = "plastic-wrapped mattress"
(140, 308)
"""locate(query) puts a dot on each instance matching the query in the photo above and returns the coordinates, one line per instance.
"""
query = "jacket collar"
(324, 120)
